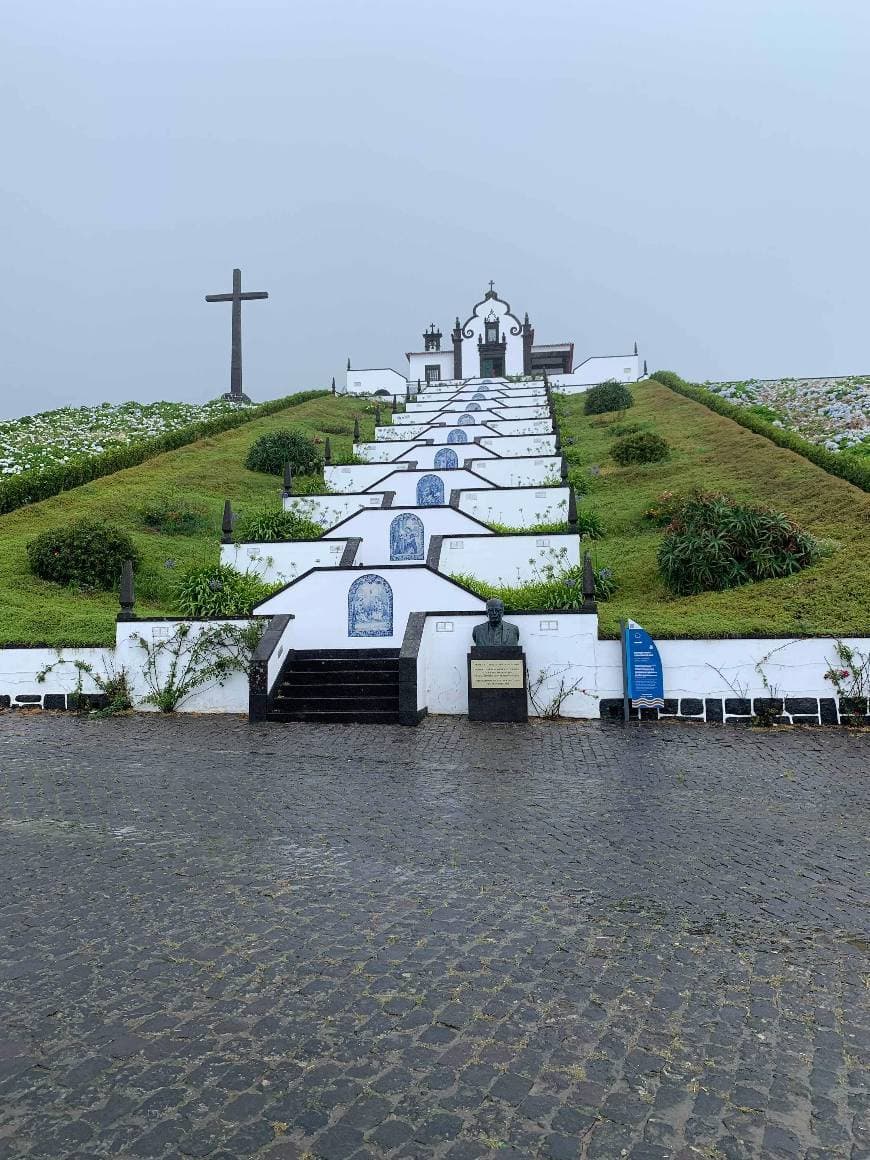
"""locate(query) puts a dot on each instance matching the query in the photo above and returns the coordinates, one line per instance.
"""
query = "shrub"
(88, 553)
(174, 515)
(271, 451)
(219, 590)
(714, 542)
(271, 525)
(641, 448)
(663, 509)
(846, 466)
(31, 486)
(609, 396)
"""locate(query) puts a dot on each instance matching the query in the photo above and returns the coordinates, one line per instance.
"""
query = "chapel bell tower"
(432, 338)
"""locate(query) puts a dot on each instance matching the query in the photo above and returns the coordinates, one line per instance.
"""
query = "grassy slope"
(710, 451)
(714, 453)
(33, 611)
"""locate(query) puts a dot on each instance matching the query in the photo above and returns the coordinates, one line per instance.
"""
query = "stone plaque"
(497, 675)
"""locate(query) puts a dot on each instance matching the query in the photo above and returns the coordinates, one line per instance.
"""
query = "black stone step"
(344, 665)
(330, 703)
(339, 717)
(339, 654)
(352, 678)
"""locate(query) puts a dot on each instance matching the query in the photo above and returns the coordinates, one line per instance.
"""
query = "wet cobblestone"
(453, 941)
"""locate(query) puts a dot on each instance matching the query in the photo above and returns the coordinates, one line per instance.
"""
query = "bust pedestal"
(497, 683)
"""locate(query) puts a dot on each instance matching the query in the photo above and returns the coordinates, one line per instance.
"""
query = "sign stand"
(642, 677)
(626, 703)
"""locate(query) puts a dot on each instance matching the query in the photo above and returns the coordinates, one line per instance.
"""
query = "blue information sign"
(645, 683)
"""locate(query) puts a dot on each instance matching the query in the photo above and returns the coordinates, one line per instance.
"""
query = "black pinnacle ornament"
(227, 523)
(127, 595)
(563, 470)
(327, 451)
(377, 416)
(572, 509)
(356, 430)
(288, 479)
(333, 384)
(588, 583)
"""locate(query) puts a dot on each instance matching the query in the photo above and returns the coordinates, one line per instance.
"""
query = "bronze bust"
(496, 630)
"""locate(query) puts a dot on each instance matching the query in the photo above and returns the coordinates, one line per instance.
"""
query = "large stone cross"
(237, 298)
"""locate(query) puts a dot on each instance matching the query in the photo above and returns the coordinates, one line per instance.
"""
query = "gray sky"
(690, 173)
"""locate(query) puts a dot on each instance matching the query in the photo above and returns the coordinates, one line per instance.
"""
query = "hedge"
(837, 463)
(31, 486)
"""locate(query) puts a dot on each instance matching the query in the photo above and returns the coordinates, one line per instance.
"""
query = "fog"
(691, 175)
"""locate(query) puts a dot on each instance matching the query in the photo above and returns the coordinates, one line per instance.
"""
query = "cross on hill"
(237, 298)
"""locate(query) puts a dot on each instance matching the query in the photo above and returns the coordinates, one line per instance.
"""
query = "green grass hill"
(709, 451)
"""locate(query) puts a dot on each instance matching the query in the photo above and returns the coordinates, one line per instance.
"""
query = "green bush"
(31, 486)
(172, 514)
(88, 553)
(714, 542)
(219, 590)
(641, 448)
(588, 524)
(271, 526)
(663, 509)
(271, 451)
(609, 396)
(840, 463)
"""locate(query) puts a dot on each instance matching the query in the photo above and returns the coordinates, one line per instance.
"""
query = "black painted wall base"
(497, 704)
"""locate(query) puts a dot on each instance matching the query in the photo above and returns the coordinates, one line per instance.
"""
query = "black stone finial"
(588, 582)
(558, 438)
(127, 595)
(327, 451)
(348, 362)
(227, 523)
(645, 371)
(288, 479)
(356, 430)
(563, 469)
(377, 416)
(333, 384)
(572, 509)
(395, 404)
(635, 348)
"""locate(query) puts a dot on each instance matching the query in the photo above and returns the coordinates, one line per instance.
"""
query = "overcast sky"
(693, 174)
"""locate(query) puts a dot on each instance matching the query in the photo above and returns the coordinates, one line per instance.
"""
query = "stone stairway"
(338, 685)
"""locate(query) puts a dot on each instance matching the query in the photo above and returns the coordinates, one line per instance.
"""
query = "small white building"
(491, 343)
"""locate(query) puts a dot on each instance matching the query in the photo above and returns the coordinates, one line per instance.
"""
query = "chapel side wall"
(358, 477)
(424, 456)
(370, 381)
(386, 452)
(328, 510)
(508, 446)
(373, 529)
(405, 485)
(519, 472)
(279, 563)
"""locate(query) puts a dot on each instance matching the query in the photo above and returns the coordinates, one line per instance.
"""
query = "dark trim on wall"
(259, 692)
(350, 551)
(433, 556)
(409, 653)
(387, 501)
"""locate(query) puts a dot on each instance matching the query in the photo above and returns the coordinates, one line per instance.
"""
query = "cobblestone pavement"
(455, 941)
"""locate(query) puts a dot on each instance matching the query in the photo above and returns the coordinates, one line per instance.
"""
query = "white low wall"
(558, 646)
(424, 456)
(280, 563)
(625, 368)
(392, 434)
(328, 510)
(320, 604)
(373, 529)
(523, 426)
(507, 560)
(357, 476)
(452, 417)
(516, 507)
(522, 445)
(520, 472)
(385, 452)
(405, 483)
(19, 668)
(373, 380)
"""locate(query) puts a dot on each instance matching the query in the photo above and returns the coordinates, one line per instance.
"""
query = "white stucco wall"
(373, 528)
(279, 563)
(19, 668)
(507, 560)
(320, 604)
(404, 483)
(626, 368)
(327, 510)
(556, 645)
(424, 456)
(516, 507)
(507, 446)
(385, 451)
(368, 382)
(418, 361)
(523, 426)
(520, 472)
(441, 435)
(406, 431)
(358, 476)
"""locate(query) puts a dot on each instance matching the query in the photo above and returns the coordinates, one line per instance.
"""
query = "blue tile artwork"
(457, 437)
(370, 607)
(466, 420)
(479, 395)
(430, 491)
(473, 407)
(446, 457)
(406, 535)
